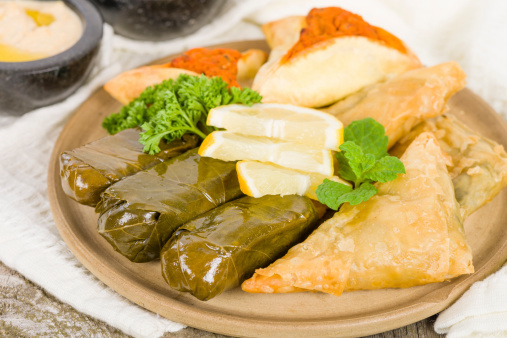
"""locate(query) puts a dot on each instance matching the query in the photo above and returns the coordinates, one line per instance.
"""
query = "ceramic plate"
(299, 314)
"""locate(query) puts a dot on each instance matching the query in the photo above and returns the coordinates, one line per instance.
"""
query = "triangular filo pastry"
(479, 165)
(403, 101)
(411, 233)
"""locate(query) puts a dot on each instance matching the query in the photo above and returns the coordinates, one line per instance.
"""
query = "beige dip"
(31, 30)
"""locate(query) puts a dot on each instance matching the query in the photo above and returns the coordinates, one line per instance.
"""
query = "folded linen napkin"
(470, 32)
(480, 312)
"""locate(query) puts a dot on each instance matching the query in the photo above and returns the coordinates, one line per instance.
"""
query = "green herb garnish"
(173, 108)
(363, 160)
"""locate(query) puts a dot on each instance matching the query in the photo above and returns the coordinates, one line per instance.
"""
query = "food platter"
(299, 314)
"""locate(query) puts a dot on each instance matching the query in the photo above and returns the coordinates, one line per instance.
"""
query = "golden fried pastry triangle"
(411, 233)
(403, 101)
(479, 165)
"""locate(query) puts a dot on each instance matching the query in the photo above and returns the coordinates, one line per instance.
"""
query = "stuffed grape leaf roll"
(88, 170)
(219, 249)
(141, 212)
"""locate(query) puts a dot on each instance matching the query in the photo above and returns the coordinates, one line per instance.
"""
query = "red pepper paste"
(221, 62)
(327, 23)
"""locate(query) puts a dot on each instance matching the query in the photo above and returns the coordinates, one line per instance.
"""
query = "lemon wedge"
(257, 179)
(228, 146)
(280, 121)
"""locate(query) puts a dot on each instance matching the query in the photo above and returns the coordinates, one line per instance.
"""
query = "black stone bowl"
(25, 86)
(157, 20)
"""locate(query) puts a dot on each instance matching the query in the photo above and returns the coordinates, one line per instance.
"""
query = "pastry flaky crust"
(335, 67)
(402, 102)
(284, 33)
(479, 165)
(130, 84)
(249, 64)
(411, 233)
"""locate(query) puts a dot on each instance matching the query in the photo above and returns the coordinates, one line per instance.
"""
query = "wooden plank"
(27, 310)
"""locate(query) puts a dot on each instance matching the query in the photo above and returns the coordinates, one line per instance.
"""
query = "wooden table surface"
(26, 311)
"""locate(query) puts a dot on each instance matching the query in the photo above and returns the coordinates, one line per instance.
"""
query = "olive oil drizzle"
(13, 54)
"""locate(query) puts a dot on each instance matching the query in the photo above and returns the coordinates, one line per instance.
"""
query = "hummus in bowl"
(35, 77)
(31, 30)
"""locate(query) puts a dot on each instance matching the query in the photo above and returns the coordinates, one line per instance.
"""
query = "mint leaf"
(386, 169)
(344, 169)
(363, 160)
(358, 161)
(369, 135)
(330, 193)
(363, 193)
(334, 194)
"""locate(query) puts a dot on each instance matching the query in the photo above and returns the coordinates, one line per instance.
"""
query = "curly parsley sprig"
(173, 108)
(363, 160)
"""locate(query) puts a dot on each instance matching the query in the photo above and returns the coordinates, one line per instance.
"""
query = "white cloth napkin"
(480, 312)
(471, 32)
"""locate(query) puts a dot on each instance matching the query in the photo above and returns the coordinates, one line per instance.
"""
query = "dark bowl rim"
(90, 38)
